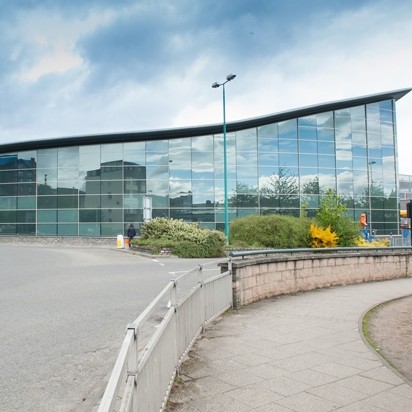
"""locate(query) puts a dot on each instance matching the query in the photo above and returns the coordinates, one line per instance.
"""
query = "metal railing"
(144, 372)
(312, 251)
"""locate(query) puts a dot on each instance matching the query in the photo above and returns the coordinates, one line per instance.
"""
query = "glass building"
(98, 185)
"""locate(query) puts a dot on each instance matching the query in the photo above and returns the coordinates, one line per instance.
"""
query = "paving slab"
(301, 352)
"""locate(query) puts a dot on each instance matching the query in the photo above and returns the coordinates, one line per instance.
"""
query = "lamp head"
(230, 77)
(215, 85)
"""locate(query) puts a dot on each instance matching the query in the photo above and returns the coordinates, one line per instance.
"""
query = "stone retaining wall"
(260, 277)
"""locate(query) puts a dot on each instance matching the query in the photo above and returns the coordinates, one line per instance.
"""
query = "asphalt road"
(63, 314)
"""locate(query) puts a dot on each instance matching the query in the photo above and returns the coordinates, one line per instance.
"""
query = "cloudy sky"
(96, 66)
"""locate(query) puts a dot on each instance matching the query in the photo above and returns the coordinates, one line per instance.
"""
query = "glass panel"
(133, 202)
(387, 134)
(27, 160)
(26, 216)
(307, 133)
(160, 201)
(268, 145)
(180, 151)
(90, 200)
(358, 125)
(325, 120)
(26, 229)
(345, 182)
(111, 201)
(8, 176)
(158, 146)
(343, 123)
(327, 179)
(68, 157)
(244, 200)
(326, 134)
(288, 159)
(246, 158)
(326, 161)
(7, 202)
(288, 129)
(268, 159)
(26, 175)
(202, 144)
(111, 229)
(133, 215)
(230, 149)
(134, 147)
(67, 229)
(111, 187)
(47, 229)
(269, 131)
(202, 171)
(47, 216)
(8, 190)
(358, 112)
(308, 147)
(246, 140)
(326, 148)
(201, 157)
(68, 215)
(8, 216)
(47, 202)
(68, 202)
(158, 187)
(26, 202)
(247, 172)
(112, 152)
(90, 215)
(134, 186)
(308, 160)
(134, 172)
(386, 105)
(47, 158)
(307, 121)
(112, 215)
(157, 172)
(290, 146)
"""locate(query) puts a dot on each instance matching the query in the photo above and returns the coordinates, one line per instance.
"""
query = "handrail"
(183, 329)
(271, 251)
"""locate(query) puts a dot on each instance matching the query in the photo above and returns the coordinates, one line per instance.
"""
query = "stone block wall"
(260, 277)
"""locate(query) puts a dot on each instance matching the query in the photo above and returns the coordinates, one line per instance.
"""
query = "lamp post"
(370, 182)
(215, 85)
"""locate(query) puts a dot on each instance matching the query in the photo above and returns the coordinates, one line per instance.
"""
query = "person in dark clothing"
(131, 233)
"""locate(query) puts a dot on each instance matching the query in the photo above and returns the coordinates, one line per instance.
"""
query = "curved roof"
(199, 130)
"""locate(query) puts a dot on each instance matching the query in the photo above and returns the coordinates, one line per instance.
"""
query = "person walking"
(131, 233)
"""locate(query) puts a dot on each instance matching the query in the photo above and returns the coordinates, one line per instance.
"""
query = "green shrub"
(186, 240)
(276, 231)
(333, 212)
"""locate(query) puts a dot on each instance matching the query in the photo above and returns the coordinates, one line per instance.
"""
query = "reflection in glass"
(112, 152)
(269, 131)
(246, 140)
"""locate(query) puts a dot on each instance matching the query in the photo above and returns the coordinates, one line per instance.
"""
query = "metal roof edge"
(199, 130)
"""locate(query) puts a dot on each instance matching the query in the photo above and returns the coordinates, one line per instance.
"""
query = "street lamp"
(215, 85)
(370, 182)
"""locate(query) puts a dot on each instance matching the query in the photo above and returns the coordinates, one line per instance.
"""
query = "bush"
(361, 242)
(322, 237)
(332, 213)
(186, 240)
(276, 231)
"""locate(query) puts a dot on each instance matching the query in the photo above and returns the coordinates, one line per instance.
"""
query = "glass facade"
(275, 167)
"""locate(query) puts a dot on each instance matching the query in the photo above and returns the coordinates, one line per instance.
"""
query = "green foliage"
(186, 240)
(277, 231)
(322, 237)
(333, 212)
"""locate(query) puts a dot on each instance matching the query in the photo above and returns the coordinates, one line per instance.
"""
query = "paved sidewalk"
(299, 352)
